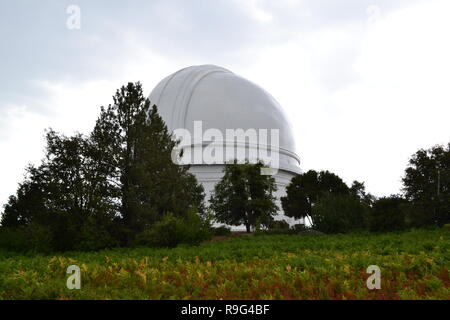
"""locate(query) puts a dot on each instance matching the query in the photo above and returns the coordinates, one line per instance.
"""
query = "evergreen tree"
(136, 148)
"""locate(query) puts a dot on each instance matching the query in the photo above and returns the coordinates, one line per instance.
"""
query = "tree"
(388, 214)
(100, 190)
(305, 190)
(426, 184)
(339, 213)
(63, 196)
(244, 196)
(26, 204)
(135, 149)
(58, 197)
(358, 189)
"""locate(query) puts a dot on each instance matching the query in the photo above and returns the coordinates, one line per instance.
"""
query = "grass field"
(414, 265)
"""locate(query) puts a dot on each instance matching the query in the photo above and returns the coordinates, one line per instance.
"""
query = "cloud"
(364, 98)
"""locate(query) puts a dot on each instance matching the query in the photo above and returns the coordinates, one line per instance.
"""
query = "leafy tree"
(339, 213)
(427, 185)
(358, 189)
(60, 196)
(26, 204)
(100, 190)
(306, 189)
(244, 196)
(388, 214)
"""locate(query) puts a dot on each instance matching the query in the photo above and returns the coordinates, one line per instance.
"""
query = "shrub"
(275, 227)
(273, 232)
(221, 231)
(339, 214)
(299, 227)
(34, 237)
(172, 230)
(165, 233)
(40, 238)
(279, 224)
(13, 239)
(96, 235)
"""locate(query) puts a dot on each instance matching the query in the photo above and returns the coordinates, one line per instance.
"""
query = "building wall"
(209, 175)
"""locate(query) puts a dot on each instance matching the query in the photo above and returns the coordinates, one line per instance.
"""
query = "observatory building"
(218, 117)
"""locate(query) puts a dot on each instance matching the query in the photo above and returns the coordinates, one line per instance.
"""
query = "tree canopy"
(103, 189)
(244, 196)
(306, 189)
(427, 185)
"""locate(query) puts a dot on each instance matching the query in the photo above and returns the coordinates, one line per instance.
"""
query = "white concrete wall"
(209, 175)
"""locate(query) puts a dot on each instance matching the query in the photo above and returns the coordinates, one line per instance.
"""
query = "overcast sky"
(364, 83)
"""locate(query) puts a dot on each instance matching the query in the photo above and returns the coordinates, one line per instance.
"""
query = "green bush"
(13, 239)
(388, 214)
(40, 238)
(172, 230)
(339, 214)
(273, 232)
(275, 227)
(34, 237)
(221, 231)
(300, 227)
(95, 235)
(279, 224)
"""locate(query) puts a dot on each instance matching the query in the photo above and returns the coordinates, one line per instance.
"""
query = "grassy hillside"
(414, 265)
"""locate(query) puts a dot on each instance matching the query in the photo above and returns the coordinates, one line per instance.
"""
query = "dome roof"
(221, 100)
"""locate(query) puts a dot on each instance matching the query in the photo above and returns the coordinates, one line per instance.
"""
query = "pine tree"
(136, 150)
(104, 189)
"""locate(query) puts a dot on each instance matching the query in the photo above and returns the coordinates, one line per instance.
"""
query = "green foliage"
(171, 231)
(300, 227)
(244, 196)
(30, 238)
(279, 224)
(99, 191)
(137, 148)
(221, 231)
(307, 188)
(13, 239)
(427, 186)
(339, 213)
(246, 267)
(388, 214)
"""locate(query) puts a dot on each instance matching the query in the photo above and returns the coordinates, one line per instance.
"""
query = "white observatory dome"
(223, 101)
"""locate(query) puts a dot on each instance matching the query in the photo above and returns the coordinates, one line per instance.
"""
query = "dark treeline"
(333, 207)
(118, 186)
(109, 188)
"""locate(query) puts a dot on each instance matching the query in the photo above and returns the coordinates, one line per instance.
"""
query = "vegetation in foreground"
(414, 265)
